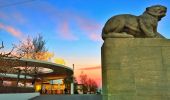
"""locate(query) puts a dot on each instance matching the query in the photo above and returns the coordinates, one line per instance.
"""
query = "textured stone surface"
(136, 69)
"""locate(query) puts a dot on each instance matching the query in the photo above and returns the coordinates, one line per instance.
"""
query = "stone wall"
(136, 69)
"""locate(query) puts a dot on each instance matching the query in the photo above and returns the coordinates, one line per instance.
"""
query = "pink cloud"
(90, 27)
(95, 37)
(18, 17)
(90, 68)
(63, 17)
(61, 20)
(65, 32)
(3, 16)
(13, 31)
(87, 23)
(14, 17)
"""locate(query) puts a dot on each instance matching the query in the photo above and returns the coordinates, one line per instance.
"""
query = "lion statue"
(130, 26)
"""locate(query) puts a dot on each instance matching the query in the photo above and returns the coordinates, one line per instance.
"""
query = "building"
(42, 76)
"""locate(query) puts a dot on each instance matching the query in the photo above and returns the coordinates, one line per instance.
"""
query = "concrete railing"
(18, 96)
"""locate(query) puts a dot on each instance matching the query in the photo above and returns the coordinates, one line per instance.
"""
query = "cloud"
(3, 16)
(13, 17)
(60, 18)
(18, 17)
(66, 19)
(13, 31)
(65, 32)
(95, 37)
(90, 27)
(90, 68)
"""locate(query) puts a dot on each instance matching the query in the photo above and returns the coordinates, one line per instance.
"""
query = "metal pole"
(73, 70)
(51, 86)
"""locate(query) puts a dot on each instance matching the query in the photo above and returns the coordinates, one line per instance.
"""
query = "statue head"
(158, 11)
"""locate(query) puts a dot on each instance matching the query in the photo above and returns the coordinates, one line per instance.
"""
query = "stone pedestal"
(136, 69)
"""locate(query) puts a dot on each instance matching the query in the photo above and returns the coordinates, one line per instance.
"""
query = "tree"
(40, 52)
(5, 67)
(67, 81)
(83, 80)
(25, 48)
(92, 85)
(33, 48)
(75, 86)
(39, 48)
(89, 84)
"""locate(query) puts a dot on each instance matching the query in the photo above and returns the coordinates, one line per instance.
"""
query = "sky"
(71, 28)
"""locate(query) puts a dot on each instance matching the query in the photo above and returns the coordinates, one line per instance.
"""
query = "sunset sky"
(71, 28)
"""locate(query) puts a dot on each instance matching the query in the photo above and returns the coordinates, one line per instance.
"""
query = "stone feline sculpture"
(129, 26)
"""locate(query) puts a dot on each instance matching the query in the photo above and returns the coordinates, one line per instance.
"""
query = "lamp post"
(2, 45)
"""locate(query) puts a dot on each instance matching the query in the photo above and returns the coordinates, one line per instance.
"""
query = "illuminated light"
(37, 88)
(59, 61)
(59, 81)
(40, 55)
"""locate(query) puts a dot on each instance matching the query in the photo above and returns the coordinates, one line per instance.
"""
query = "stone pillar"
(136, 69)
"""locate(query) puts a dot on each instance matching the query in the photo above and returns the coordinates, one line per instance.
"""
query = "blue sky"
(72, 28)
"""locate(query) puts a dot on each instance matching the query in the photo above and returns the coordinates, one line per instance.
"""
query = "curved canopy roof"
(57, 69)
